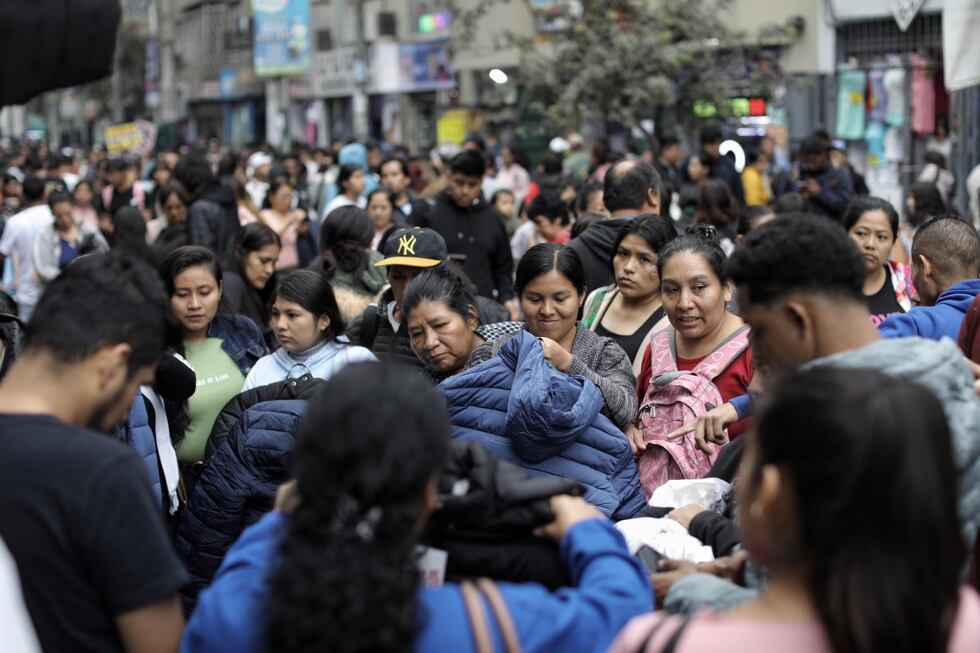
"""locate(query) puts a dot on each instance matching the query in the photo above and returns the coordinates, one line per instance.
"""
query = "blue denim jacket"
(241, 339)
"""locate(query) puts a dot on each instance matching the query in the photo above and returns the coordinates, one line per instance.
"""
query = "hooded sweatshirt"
(321, 361)
(934, 322)
(938, 366)
(478, 233)
(595, 247)
(941, 367)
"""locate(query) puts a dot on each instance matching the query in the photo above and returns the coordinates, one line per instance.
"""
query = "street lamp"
(498, 76)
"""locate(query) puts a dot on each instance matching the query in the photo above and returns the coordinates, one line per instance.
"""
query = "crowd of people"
(336, 400)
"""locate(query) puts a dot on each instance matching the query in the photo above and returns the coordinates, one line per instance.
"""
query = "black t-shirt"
(78, 514)
(631, 343)
(883, 303)
(119, 200)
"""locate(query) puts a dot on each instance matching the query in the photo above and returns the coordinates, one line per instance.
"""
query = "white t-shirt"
(18, 240)
(16, 630)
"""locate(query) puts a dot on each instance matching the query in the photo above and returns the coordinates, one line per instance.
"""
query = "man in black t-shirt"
(76, 508)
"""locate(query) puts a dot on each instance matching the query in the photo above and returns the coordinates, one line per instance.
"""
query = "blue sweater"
(610, 587)
(934, 322)
(523, 410)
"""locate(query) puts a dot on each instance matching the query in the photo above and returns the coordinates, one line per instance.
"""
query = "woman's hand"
(635, 437)
(556, 354)
(685, 514)
(568, 511)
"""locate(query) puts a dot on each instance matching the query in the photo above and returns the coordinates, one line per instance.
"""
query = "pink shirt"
(709, 632)
(288, 234)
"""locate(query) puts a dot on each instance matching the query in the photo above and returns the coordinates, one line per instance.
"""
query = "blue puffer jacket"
(238, 486)
(524, 410)
(138, 434)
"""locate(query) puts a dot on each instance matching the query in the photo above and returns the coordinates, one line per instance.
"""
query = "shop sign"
(425, 66)
(282, 44)
(139, 136)
(333, 73)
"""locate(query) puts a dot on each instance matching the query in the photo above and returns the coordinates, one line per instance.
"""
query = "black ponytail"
(347, 581)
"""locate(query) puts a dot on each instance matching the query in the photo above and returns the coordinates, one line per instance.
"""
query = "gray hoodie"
(937, 365)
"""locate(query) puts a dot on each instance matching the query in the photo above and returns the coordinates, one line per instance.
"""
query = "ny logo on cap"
(406, 245)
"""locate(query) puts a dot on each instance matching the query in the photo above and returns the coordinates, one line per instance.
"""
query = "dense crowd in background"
(349, 399)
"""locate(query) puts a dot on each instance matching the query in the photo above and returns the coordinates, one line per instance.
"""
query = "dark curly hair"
(347, 581)
(805, 253)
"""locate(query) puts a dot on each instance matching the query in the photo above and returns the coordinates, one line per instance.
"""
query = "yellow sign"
(123, 138)
(451, 126)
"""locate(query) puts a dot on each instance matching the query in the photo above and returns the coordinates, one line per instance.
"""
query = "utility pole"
(167, 17)
(359, 101)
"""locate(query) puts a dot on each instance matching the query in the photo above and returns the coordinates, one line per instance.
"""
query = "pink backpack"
(674, 399)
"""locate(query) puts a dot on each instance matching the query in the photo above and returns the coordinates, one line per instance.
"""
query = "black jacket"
(245, 300)
(477, 233)
(488, 511)
(595, 247)
(384, 342)
(213, 217)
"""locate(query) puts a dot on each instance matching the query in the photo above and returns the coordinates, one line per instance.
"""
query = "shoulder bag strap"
(671, 645)
(477, 617)
(607, 301)
(732, 347)
(502, 613)
(369, 326)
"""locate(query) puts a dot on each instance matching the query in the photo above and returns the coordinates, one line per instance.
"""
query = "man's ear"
(653, 199)
(110, 363)
(928, 269)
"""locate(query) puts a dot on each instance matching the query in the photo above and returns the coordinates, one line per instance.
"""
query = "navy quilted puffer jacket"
(236, 488)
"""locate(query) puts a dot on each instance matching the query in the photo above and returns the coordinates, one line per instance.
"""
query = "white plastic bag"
(709, 493)
(666, 537)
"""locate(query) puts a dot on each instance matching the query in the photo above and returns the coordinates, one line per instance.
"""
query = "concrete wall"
(813, 52)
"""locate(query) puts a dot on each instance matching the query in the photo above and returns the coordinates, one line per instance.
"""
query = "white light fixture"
(498, 76)
(736, 149)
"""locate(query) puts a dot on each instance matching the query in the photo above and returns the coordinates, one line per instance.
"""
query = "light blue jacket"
(609, 588)
(322, 364)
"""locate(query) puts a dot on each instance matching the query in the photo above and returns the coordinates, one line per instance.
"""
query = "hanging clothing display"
(874, 136)
(877, 96)
(923, 91)
(894, 81)
(851, 85)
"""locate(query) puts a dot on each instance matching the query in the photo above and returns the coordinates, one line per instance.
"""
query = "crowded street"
(364, 326)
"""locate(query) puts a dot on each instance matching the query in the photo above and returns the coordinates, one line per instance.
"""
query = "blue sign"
(282, 44)
(425, 65)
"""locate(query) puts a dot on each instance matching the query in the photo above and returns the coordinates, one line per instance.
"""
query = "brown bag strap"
(502, 613)
(477, 616)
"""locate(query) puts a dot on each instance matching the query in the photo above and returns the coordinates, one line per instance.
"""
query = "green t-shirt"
(218, 380)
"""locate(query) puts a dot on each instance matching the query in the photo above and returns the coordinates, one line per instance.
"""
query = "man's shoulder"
(61, 444)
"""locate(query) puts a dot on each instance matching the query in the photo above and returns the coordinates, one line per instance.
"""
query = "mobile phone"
(650, 559)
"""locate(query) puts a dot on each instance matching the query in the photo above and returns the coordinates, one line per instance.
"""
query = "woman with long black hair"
(249, 271)
(848, 496)
(338, 573)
